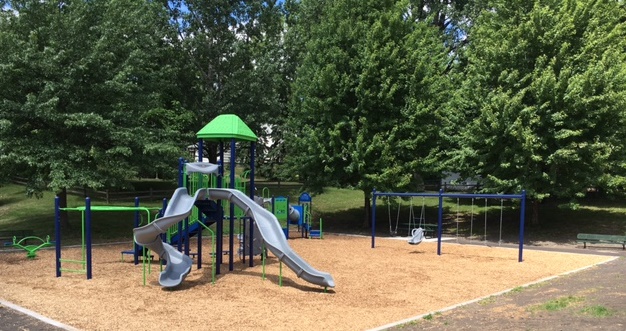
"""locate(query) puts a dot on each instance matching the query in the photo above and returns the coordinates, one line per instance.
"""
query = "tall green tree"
(365, 97)
(545, 96)
(234, 61)
(85, 92)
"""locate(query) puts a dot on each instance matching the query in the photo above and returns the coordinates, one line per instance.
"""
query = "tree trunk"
(210, 152)
(367, 221)
(65, 223)
(534, 219)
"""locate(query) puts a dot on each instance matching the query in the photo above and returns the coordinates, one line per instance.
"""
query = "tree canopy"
(544, 96)
(363, 94)
(85, 92)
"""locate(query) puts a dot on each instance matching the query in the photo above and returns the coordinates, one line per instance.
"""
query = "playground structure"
(184, 216)
(85, 262)
(417, 235)
(299, 214)
(307, 225)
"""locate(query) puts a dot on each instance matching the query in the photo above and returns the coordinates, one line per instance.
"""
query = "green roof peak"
(226, 126)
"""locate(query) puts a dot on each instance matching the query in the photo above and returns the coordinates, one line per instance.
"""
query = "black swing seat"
(417, 235)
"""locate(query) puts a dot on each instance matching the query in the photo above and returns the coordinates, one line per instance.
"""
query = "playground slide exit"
(273, 236)
(178, 264)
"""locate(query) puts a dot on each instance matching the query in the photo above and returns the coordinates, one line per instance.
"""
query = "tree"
(544, 96)
(85, 92)
(365, 98)
(234, 60)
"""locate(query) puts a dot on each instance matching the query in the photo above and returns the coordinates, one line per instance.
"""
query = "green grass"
(487, 301)
(342, 211)
(597, 311)
(559, 303)
(517, 289)
(18, 212)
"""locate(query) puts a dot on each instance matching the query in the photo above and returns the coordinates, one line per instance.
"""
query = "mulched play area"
(374, 287)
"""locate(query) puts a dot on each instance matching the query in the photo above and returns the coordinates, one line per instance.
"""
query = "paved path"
(13, 318)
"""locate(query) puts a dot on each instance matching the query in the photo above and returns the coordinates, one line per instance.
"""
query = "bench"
(601, 239)
(430, 229)
(6, 236)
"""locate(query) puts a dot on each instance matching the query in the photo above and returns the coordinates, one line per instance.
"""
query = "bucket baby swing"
(417, 234)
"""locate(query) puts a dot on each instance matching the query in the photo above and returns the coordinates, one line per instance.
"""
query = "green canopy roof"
(227, 126)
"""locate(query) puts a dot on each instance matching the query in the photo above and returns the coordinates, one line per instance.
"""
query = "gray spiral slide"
(274, 237)
(178, 264)
(180, 206)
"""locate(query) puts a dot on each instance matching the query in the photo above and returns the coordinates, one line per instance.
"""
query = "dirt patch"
(374, 286)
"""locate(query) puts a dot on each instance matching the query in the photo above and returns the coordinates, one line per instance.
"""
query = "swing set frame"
(441, 195)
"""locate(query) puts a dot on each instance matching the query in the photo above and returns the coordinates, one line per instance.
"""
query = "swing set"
(418, 228)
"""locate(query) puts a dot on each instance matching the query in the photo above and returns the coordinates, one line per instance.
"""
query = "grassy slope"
(342, 211)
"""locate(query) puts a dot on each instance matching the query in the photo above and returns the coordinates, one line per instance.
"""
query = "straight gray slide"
(178, 264)
(274, 237)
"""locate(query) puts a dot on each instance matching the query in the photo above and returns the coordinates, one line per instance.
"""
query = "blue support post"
(181, 171)
(200, 150)
(251, 243)
(200, 228)
(521, 226)
(199, 248)
(233, 157)
(57, 234)
(252, 152)
(373, 218)
(220, 223)
(163, 208)
(179, 230)
(88, 235)
(220, 176)
(252, 193)
(439, 221)
(137, 248)
(186, 235)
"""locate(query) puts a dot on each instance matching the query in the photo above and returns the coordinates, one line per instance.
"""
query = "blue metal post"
(439, 221)
(521, 226)
(252, 152)
(251, 243)
(199, 248)
(179, 230)
(137, 248)
(252, 194)
(233, 157)
(88, 235)
(57, 234)
(373, 217)
(200, 150)
(220, 223)
(181, 171)
(186, 235)
(221, 166)
(163, 208)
